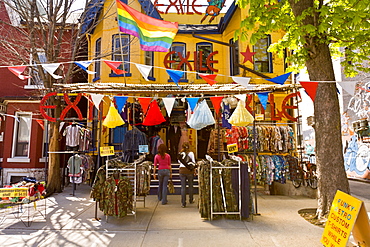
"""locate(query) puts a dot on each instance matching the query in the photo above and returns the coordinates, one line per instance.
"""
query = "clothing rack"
(223, 191)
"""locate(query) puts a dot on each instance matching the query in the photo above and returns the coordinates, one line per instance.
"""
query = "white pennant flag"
(144, 70)
(84, 65)
(96, 99)
(349, 86)
(242, 97)
(244, 81)
(51, 68)
(168, 103)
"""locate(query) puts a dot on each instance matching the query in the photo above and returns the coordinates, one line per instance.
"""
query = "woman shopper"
(187, 172)
(163, 161)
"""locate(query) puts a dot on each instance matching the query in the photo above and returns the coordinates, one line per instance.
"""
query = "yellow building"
(203, 45)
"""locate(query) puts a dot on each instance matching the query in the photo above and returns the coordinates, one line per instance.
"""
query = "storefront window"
(234, 57)
(97, 56)
(203, 51)
(22, 133)
(121, 50)
(262, 58)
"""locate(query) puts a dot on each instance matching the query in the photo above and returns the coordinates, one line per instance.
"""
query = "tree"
(314, 30)
(43, 27)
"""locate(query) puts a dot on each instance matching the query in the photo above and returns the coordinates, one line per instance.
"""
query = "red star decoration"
(248, 55)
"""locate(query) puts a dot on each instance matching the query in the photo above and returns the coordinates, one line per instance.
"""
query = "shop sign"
(198, 63)
(232, 148)
(13, 192)
(347, 214)
(143, 149)
(187, 7)
(107, 151)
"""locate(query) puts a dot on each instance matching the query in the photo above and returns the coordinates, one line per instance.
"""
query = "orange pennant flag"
(310, 87)
(18, 70)
(210, 79)
(41, 123)
(216, 101)
(144, 102)
(114, 65)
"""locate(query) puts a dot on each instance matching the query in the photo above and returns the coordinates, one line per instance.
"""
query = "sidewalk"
(70, 222)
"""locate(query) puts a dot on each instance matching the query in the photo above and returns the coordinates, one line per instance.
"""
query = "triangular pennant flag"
(168, 104)
(114, 65)
(41, 123)
(310, 87)
(280, 79)
(84, 65)
(241, 96)
(120, 102)
(144, 70)
(210, 79)
(241, 116)
(348, 86)
(175, 75)
(144, 102)
(113, 119)
(244, 81)
(263, 98)
(96, 99)
(216, 101)
(154, 115)
(192, 103)
(18, 70)
(51, 68)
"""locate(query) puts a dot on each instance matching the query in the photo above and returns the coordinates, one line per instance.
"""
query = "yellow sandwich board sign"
(107, 151)
(347, 214)
(13, 192)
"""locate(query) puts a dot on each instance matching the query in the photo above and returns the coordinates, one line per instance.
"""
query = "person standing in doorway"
(163, 161)
(186, 175)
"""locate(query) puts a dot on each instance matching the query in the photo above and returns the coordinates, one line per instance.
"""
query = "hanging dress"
(241, 116)
(202, 117)
(154, 115)
(113, 118)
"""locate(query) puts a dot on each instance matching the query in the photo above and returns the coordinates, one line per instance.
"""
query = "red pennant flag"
(210, 79)
(114, 66)
(18, 70)
(144, 102)
(310, 87)
(216, 101)
(154, 116)
(41, 123)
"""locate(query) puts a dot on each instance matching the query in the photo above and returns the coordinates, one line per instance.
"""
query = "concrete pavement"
(70, 221)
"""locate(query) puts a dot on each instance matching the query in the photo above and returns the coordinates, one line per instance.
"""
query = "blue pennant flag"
(83, 65)
(192, 102)
(120, 102)
(280, 79)
(175, 75)
(263, 98)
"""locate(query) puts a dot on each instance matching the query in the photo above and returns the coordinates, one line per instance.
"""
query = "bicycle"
(307, 175)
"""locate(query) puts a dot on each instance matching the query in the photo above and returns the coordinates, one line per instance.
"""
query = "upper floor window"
(149, 60)
(203, 51)
(179, 49)
(262, 58)
(36, 81)
(121, 51)
(97, 65)
(234, 57)
(22, 134)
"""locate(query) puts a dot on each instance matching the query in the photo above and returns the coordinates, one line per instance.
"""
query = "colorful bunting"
(51, 68)
(113, 119)
(192, 103)
(120, 102)
(310, 87)
(144, 102)
(168, 104)
(154, 34)
(244, 81)
(175, 75)
(263, 96)
(96, 99)
(84, 65)
(41, 123)
(154, 115)
(216, 101)
(114, 65)
(18, 70)
(210, 79)
(144, 70)
(280, 79)
(349, 86)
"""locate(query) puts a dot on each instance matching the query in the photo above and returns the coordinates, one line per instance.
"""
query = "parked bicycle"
(307, 175)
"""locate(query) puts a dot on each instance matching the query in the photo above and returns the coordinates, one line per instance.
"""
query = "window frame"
(149, 60)
(117, 54)
(36, 82)
(97, 63)
(268, 57)
(173, 58)
(204, 59)
(234, 57)
(16, 133)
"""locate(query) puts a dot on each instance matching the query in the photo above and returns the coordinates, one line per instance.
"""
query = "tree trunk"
(54, 173)
(329, 150)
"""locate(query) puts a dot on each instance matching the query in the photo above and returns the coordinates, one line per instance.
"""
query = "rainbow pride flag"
(154, 34)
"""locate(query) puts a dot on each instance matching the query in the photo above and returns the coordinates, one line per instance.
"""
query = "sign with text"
(13, 192)
(347, 214)
(143, 149)
(107, 151)
(232, 148)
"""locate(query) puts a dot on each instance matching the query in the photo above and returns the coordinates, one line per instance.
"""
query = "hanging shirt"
(72, 134)
(226, 116)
